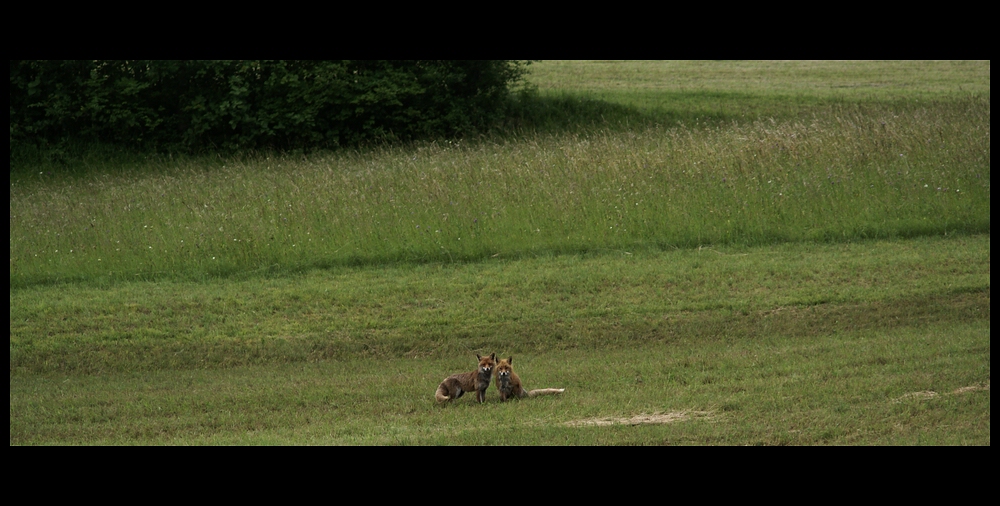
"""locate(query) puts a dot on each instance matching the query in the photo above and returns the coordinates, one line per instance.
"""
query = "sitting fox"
(478, 381)
(509, 384)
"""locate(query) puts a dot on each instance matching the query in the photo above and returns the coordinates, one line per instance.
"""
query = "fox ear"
(510, 360)
(493, 356)
(478, 357)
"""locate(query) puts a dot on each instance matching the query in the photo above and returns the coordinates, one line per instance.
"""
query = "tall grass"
(848, 172)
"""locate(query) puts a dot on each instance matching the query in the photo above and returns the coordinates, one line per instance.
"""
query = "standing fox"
(479, 380)
(509, 384)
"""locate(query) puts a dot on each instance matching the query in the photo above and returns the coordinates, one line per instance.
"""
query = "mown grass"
(521, 306)
(579, 96)
(848, 80)
(924, 384)
(793, 344)
(760, 253)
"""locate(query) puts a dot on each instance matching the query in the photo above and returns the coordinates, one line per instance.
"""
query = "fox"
(478, 381)
(509, 384)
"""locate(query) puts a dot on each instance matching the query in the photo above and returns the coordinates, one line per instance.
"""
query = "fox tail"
(441, 395)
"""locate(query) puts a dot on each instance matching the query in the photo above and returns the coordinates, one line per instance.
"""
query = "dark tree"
(235, 105)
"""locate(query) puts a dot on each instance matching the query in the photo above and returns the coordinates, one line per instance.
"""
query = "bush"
(236, 105)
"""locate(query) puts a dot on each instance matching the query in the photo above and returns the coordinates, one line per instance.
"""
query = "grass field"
(700, 253)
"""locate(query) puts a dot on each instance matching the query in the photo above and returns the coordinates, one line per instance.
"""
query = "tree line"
(191, 106)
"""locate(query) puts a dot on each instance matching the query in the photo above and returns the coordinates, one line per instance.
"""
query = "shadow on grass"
(618, 111)
(275, 269)
(529, 113)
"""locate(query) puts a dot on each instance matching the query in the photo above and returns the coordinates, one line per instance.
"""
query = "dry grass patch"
(973, 388)
(930, 394)
(640, 419)
(926, 394)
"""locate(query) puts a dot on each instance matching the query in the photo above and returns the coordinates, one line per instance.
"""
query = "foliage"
(195, 105)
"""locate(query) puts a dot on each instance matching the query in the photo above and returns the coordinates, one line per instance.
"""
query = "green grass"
(843, 387)
(617, 95)
(521, 306)
(793, 344)
(849, 173)
(755, 252)
(821, 79)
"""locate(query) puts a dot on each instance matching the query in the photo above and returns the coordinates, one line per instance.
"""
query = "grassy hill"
(699, 252)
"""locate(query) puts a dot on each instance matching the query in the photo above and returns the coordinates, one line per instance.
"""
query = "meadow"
(700, 253)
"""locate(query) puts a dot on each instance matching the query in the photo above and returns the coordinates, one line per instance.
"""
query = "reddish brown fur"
(476, 381)
(509, 384)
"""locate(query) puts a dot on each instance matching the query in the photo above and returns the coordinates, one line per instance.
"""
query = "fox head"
(486, 363)
(504, 367)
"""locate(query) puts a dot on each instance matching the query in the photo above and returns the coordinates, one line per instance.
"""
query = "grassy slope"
(519, 306)
(813, 165)
(838, 339)
(900, 386)
(861, 342)
(610, 94)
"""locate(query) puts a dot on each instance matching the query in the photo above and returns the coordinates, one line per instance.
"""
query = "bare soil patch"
(930, 394)
(640, 419)
(973, 388)
(926, 394)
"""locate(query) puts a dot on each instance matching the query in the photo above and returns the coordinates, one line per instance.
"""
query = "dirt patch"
(926, 394)
(930, 394)
(640, 419)
(973, 388)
